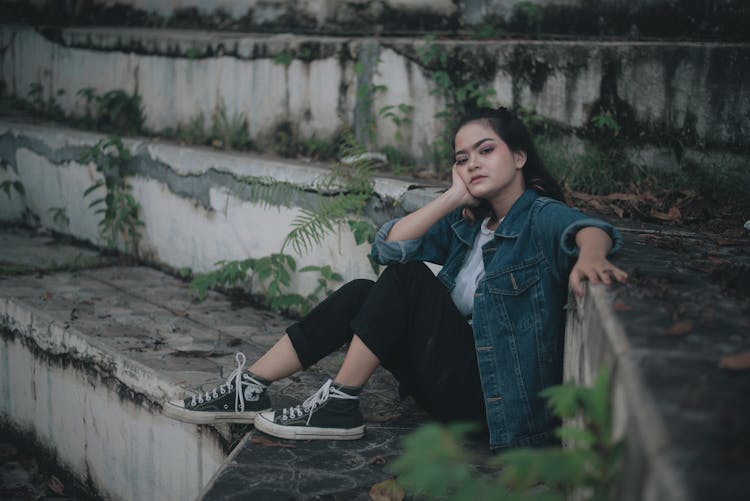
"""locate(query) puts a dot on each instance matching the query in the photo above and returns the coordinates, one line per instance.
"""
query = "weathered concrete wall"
(91, 410)
(595, 338)
(196, 208)
(679, 97)
(692, 19)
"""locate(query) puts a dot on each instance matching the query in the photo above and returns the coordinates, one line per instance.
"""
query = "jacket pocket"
(514, 294)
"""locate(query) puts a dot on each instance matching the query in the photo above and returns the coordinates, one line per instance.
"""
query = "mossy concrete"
(675, 95)
(685, 19)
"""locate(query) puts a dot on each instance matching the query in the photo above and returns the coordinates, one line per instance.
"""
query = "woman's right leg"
(323, 330)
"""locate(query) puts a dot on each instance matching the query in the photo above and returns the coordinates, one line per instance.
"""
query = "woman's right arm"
(416, 224)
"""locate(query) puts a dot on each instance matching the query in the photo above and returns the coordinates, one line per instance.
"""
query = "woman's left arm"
(592, 264)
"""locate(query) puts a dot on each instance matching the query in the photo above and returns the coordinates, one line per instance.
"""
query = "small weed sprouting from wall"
(229, 131)
(114, 111)
(436, 464)
(47, 107)
(16, 186)
(59, 217)
(118, 208)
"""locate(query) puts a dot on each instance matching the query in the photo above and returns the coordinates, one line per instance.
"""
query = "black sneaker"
(238, 400)
(331, 413)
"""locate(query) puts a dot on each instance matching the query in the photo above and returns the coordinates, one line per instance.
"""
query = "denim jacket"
(519, 317)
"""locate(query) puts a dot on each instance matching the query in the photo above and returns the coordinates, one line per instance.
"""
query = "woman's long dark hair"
(512, 130)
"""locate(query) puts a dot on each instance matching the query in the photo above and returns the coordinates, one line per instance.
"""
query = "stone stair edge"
(639, 404)
(112, 38)
(237, 163)
(48, 336)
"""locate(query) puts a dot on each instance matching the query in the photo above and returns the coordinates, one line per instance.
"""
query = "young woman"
(476, 342)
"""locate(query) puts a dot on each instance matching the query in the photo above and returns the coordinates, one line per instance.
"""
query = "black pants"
(408, 319)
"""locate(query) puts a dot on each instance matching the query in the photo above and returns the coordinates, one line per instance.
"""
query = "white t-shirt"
(471, 272)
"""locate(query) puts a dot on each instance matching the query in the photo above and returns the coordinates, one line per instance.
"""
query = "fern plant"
(437, 464)
(341, 194)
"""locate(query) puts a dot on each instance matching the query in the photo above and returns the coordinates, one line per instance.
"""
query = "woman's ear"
(520, 158)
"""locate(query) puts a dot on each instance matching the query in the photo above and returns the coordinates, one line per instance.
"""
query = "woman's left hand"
(595, 270)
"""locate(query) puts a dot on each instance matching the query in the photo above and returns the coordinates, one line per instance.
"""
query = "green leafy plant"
(118, 208)
(399, 163)
(229, 131)
(606, 123)
(487, 31)
(194, 132)
(59, 216)
(437, 464)
(528, 16)
(114, 111)
(47, 107)
(273, 274)
(284, 59)
(194, 52)
(400, 115)
(9, 185)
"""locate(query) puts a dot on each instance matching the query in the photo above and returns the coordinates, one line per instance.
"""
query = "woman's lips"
(476, 179)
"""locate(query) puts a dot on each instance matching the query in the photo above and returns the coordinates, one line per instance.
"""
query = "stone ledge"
(679, 412)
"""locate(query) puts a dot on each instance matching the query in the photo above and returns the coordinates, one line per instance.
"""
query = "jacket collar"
(517, 216)
(509, 228)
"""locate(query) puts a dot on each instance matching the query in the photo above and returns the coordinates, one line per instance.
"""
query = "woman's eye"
(460, 161)
(486, 151)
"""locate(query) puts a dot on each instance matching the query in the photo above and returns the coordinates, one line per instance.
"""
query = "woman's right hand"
(417, 223)
(459, 190)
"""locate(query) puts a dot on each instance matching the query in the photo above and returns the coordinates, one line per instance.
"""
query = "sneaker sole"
(307, 432)
(205, 417)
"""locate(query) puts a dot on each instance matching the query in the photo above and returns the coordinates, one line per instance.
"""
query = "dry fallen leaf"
(680, 328)
(378, 460)
(620, 306)
(55, 485)
(674, 214)
(387, 490)
(262, 440)
(736, 362)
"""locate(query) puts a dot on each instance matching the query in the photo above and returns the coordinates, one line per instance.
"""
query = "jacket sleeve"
(432, 247)
(557, 226)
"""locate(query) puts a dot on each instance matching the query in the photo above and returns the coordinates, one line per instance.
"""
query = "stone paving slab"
(22, 250)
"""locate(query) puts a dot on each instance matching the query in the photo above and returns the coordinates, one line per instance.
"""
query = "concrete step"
(656, 18)
(88, 357)
(673, 100)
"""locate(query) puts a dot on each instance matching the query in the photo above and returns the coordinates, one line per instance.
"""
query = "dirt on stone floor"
(722, 250)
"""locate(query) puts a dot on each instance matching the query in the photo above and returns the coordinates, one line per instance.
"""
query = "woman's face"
(485, 163)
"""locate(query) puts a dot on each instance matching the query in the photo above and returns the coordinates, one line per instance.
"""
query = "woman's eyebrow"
(475, 145)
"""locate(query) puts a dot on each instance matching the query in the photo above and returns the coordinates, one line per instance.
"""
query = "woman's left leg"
(410, 325)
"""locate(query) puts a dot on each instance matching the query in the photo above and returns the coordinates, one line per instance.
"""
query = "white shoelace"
(313, 401)
(233, 382)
